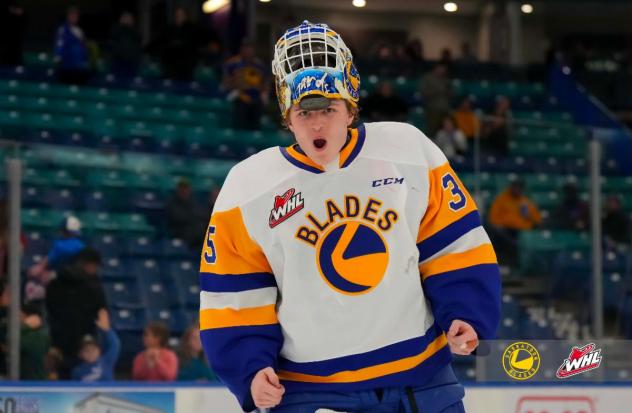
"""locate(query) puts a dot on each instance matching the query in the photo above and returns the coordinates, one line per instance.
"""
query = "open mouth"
(320, 143)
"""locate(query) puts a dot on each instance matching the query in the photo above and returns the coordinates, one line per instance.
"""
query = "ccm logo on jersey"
(285, 206)
(387, 181)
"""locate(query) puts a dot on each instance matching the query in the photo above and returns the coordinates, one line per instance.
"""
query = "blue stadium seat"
(108, 245)
(144, 269)
(33, 197)
(113, 269)
(37, 243)
(175, 248)
(141, 246)
(156, 293)
(188, 293)
(175, 319)
(123, 294)
(60, 199)
(126, 319)
(185, 270)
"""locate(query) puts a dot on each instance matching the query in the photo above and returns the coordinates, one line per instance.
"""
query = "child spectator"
(98, 364)
(157, 362)
(193, 364)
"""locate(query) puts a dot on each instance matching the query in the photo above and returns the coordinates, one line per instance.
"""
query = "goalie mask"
(313, 60)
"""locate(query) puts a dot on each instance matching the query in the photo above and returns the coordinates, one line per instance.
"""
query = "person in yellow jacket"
(511, 212)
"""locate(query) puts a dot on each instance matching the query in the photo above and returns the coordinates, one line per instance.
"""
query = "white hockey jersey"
(344, 277)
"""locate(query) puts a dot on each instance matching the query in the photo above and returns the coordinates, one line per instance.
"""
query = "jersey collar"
(349, 152)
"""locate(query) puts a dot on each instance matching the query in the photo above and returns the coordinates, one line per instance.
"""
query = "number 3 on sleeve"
(459, 200)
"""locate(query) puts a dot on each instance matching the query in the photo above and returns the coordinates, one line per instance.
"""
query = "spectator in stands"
(193, 364)
(496, 129)
(186, 220)
(211, 52)
(53, 362)
(415, 51)
(125, 47)
(71, 50)
(246, 79)
(446, 57)
(12, 29)
(436, 90)
(510, 213)
(466, 119)
(177, 47)
(572, 213)
(467, 56)
(34, 344)
(73, 301)
(451, 139)
(156, 362)
(385, 105)
(64, 249)
(616, 224)
(97, 363)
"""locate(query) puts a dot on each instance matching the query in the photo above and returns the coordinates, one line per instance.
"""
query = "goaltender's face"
(321, 134)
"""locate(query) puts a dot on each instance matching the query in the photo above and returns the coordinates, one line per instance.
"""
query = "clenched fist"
(266, 389)
(462, 338)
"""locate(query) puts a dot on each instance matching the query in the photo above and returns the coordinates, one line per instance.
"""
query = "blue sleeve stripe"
(393, 352)
(470, 294)
(430, 246)
(231, 283)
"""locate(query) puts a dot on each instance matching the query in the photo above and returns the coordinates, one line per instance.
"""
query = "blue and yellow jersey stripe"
(348, 154)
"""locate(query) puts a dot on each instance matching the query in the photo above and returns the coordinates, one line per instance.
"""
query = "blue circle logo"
(352, 258)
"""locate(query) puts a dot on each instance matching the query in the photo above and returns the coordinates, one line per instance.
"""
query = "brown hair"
(186, 352)
(354, 110)
(160, 330)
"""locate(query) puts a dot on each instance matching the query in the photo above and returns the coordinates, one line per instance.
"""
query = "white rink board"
(198, 398)
(503, 399)
(549, 399)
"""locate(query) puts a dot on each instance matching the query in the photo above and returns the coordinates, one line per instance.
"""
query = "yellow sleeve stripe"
(229, 317)
(483, 254)
(372, 372)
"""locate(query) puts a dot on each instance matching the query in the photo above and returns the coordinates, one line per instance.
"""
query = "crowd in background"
(65, 324)
(66, 330)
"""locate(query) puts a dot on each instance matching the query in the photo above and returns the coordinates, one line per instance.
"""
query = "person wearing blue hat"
(64, 248)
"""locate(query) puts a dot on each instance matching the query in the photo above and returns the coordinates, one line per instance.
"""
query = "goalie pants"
(442, 394)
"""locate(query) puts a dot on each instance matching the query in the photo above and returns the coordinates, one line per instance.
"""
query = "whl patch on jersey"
(285, 206)
(580, 360)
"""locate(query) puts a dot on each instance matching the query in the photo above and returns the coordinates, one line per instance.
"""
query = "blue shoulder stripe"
(429, 247)
(298, 163)
(397, 351)
(358, 146)
(226, 283)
